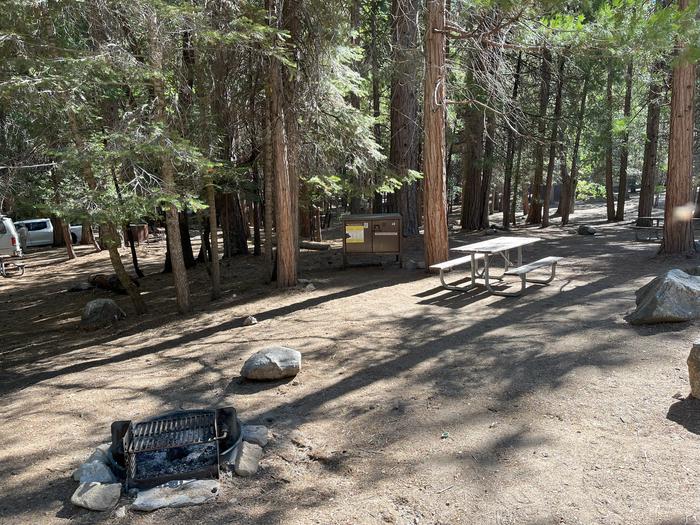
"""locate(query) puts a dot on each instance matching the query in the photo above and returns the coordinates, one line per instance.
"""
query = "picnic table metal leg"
(496, 292)
(472, 284)
(520, 255)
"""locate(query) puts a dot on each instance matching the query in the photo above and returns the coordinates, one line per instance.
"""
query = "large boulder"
(670, 298)
(177, 494)
(586, 229)
(99, 313)
(275, 362)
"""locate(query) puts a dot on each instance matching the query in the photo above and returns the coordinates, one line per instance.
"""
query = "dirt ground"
(414, 405)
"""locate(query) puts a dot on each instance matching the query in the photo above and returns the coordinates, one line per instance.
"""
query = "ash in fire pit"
(179, 445)
(176, 460)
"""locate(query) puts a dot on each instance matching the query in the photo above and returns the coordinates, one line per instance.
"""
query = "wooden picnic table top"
(498, 244)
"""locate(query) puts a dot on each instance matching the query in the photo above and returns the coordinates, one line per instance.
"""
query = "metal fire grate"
(180, 445)
(175, 431)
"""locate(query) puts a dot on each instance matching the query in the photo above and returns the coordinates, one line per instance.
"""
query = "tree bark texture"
(215, 273)
(510, 152)
(435, 238)
(553, 140)
(624, 146)
(678, 226)
(534, 215)
(573, 176)
(472, 156)
(651, 146)
(285, 216)
(609, 196)
(405, 132)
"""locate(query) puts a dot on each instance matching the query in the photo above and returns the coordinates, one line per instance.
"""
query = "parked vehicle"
(9, 238)
(76, 232)
(41, 232)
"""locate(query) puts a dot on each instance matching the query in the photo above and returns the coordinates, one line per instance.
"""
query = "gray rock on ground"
(275, 362)
(586, 229)
(256, 434)
(120, 512)
(99, 313)
(97, 496)
(694, 370)
(250, 321)
(101, 453)
(80, 287)
(247, 459)
(410, 264)
(94, 471)
(175, 494)
(670, 298)
(310, 287)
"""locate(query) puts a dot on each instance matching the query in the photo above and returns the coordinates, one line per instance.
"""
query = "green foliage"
(589, 190)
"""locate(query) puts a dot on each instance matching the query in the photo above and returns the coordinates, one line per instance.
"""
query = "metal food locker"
(375, 234)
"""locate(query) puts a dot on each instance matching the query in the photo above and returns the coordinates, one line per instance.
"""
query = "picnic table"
(652, 228)
(497, 247)
(648, 228)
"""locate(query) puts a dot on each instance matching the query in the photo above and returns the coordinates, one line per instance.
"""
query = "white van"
(40, 232)
(9, 239)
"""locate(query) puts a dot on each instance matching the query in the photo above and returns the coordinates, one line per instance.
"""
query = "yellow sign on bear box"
(355, 234)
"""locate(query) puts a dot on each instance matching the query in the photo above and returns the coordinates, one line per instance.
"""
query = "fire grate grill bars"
(172, 432)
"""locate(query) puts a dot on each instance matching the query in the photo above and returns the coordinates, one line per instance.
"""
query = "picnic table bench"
(648, 228)
(652, 228)
(485, 251)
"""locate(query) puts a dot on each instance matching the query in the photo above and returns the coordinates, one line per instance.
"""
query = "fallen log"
(311, 245)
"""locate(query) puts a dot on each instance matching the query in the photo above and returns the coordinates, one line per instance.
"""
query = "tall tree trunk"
(650, 163)
(678, 226)
(111, 240)
(87, 237)
(573, 176)
(510, 153)
(67, 238)
(291, 18)
(405, 132)
(268, 189)
(487, 170)
(553, 141)
(472, 167)
(167, 172)
(516, 182)
(127, 226)
(609, 196)
(434, 100)
(284, 213)
(534, 215)
(376, 88)
(624, 147)
(215, 273)
(233, 224)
